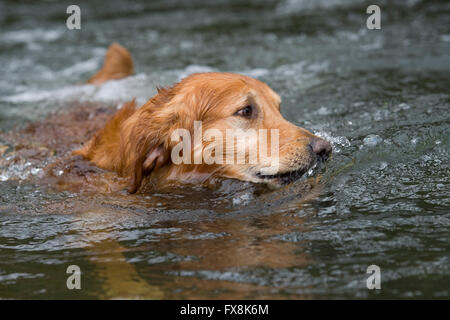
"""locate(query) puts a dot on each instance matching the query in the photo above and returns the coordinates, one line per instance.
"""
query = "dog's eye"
(246, 112)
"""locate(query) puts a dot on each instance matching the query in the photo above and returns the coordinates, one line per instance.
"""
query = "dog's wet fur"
(130, 147)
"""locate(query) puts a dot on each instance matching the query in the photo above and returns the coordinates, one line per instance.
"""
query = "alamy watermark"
(374, 20)
(73, 22)
(74, 280)
(374, 280)
(234, 146)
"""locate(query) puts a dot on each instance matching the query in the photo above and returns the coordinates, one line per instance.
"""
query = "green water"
(381, 97)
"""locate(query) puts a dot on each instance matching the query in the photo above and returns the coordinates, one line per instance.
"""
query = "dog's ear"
(155, 158)
(145, 139)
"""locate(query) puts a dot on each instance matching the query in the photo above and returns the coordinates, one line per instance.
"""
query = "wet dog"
(139, 142)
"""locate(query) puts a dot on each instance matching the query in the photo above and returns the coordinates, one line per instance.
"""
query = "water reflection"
(381, 98)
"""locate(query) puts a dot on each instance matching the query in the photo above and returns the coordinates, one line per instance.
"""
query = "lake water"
(381, 97)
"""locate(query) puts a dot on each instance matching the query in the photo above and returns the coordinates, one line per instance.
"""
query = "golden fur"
(136, 141)
(118, 64)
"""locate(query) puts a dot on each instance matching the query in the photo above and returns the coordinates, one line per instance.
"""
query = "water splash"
(338, 143)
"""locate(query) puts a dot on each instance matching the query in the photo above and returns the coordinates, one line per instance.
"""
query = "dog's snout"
(320, 147)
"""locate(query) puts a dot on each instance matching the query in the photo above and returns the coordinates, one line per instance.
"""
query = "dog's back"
(104, 148)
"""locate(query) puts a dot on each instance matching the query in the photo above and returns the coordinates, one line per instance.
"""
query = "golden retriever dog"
(140, 142)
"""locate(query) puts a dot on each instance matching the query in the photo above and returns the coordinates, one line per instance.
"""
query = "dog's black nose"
(320, 147)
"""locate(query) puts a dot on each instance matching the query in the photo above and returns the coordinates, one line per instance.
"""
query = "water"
(380, 97)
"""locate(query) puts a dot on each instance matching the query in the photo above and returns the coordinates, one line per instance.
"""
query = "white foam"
(301, 75)
(112, 91)
(445, 37)
(90, 65)
(142, 86)
(372, 140)
(193, 69)
(20, 171)
(338, 143)
(256, 73)
(294, 6)
(242, 199)
(32, 35)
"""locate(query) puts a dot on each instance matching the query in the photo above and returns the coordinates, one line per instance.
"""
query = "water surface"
(381, 97)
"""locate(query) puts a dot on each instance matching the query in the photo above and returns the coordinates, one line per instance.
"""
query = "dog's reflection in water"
(130, 150)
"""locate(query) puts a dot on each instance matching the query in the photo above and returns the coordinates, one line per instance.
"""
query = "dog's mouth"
(283, 178)
(292, 175)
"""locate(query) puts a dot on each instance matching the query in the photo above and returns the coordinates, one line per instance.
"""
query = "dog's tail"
(118, 64)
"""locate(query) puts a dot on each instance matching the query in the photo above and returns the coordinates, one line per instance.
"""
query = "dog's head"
(218, 124)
